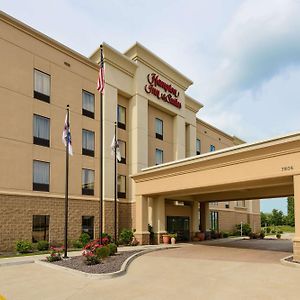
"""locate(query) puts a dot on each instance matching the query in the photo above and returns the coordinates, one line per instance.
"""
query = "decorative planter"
(166, 238)
(200, 236)
(173, 241)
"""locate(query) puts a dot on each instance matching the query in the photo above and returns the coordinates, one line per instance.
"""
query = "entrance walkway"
(192, 271)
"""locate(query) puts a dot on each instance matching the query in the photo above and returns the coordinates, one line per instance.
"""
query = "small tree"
(290, 219)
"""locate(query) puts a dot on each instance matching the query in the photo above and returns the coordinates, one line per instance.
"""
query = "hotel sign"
(162, 90)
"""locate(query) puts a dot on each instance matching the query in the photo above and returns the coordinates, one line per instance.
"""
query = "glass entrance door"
(179, 225)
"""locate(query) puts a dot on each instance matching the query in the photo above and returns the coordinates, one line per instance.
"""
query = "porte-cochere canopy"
(265, 169)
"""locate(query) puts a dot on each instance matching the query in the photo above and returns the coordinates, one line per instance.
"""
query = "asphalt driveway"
(189, 272)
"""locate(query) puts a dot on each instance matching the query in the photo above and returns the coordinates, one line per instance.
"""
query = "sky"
(243, 56)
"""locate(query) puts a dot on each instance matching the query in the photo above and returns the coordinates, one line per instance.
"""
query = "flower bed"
(108, 265)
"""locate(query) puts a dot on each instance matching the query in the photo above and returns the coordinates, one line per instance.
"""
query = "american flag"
(100, 81)
(66, 136)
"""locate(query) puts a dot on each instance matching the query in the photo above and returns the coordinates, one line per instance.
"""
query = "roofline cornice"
(46, 39)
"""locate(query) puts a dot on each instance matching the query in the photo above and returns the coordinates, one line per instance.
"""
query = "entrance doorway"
(179, 225)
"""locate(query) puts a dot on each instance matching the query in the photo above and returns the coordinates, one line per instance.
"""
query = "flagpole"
(115, 182)
(67, 186)
(101, 156)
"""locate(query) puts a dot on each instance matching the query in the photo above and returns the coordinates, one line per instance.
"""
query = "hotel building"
(157, 124)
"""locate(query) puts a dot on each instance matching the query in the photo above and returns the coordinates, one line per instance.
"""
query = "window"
(159, 156)
(198, 147)
(41, 86)
(241, 203)
(41, 174)
(122, 147)
(40, 228)
(159, 129)
(88, 104)
(214, 220)
(121, 117)
(41, 131)
(121, 186)
(88, 226)
(212, 148)
(88, 182)
(88, 142)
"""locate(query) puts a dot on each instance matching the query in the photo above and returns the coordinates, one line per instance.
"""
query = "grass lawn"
(283, 228)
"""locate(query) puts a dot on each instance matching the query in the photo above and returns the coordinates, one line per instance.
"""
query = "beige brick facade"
(17, 212)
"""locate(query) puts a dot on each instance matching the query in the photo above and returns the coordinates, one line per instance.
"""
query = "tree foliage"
(290, 209)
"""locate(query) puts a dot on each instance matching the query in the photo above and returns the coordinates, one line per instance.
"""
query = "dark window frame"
(158, 135)
(88, 191)
(46, 229)
(85, 112)
(88, 228)
(122, 125)
(41, 141)
(198, 152)
(85, 151)
(39, 95)
(123, 159)
(40, 187)
(122, 194)
(162, 151)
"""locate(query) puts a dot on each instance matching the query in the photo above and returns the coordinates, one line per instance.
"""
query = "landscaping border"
(119, 273)
(285, 262)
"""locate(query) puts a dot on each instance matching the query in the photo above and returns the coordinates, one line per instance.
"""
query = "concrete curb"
(289, 263)
(119, 273)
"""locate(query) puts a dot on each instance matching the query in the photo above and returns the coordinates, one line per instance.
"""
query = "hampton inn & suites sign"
(162, 90)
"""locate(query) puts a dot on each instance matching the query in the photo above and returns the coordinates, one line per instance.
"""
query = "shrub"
(268, 229)
(91, 258)
(102, 252)
(262, 235)
(245, 228)
(225, 234)
(278, 235)
(273, 231)
(84, 238)
(126, 236)
(55, 254)
(24, 246)
(42, 245)
(106, 236)
(77, 244)
(113, 249)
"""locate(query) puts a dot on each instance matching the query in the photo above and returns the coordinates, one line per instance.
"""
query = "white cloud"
(262, 39)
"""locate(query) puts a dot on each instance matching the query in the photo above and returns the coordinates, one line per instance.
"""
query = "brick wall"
(16, 217)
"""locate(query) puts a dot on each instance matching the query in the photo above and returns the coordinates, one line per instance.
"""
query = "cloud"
(262, 40)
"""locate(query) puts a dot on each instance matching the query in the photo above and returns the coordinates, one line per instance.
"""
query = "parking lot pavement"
(282, 245)
(190, 272)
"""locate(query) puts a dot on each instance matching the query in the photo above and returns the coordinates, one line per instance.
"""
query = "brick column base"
(296, 249)
(143, 237)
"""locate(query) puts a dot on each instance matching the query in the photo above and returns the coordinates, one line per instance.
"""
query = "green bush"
(126, 236)
(106, 235)
(246, 229)
(24, 246)
(77, 244)
(84, 238)
(262, 235)
(225, 235)
(113, 249)
(42, 245)
(102, 252)
(91, 259)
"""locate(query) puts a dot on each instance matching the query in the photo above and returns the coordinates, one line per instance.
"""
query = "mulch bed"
(108, 265)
